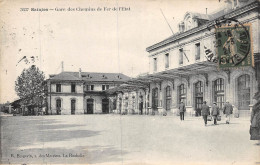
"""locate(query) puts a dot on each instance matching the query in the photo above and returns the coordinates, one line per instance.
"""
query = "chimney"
(80, 73)
(62, 66)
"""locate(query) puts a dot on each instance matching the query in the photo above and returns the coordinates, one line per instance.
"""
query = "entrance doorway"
(58, 106)
(219, 92)
(90, 105)
(105, 105)
(243, 92)
(73, 107)
(198, 97)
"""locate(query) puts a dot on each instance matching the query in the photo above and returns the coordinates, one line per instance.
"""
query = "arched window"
(168, 96)
(243, 92)
(218, 88)
(182, 93)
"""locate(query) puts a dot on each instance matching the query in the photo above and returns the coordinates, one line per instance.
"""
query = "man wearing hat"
(205, 112)
(182, 110)
(215, 112)
(227, 110)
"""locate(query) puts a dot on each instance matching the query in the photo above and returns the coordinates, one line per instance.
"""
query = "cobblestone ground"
(128, 139)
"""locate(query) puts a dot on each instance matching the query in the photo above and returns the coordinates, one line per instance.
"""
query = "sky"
(95, 39)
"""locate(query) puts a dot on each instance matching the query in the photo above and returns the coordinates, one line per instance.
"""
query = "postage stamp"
(234, 46)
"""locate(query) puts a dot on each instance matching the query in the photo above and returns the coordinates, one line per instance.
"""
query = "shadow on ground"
(30, 132)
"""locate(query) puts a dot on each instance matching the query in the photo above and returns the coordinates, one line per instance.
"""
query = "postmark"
(234, 46)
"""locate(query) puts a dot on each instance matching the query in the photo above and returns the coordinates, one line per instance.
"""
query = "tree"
(30, 86)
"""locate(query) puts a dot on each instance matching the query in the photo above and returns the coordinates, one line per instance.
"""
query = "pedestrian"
(182, 109)
(227, 110)
(215, 112)
(205, 112)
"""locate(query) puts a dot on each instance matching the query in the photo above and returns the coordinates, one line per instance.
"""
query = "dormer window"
(104, 76)
(181, 27)
(119, 77)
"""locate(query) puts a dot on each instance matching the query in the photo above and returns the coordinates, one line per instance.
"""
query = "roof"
(90, 77)
(228, 13)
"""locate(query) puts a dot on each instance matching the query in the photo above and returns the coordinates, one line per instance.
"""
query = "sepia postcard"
(130, 82)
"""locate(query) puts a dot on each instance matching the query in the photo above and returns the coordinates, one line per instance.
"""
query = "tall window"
(182, 93)
(167, 60)
(155, 64)
(168, 97)
(105, 87)
(73, 88)
(180, 56)
(197, 51)
(218, 86)
(243, 92)
(91, 87)
(58, 87)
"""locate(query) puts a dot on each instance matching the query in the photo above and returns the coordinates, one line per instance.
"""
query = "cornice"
(176, 37)
(65, 94)
(198, 38)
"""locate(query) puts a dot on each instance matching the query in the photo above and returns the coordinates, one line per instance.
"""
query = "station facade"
(179, 69)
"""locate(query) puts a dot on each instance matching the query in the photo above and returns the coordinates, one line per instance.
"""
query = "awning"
(143, 82)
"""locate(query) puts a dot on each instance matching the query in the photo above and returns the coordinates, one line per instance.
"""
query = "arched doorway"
(218, 89)
(155, 99)
(243, 92)
(73, 106)
(90, 106)
(168, 96)
(105, 105)
(198, 87)
(58, 106)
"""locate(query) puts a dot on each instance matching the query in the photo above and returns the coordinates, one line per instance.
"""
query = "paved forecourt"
(127, 139)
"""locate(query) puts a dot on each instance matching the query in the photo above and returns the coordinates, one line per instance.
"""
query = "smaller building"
(81, 92)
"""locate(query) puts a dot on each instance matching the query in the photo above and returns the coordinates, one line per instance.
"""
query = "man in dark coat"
(215, 112)
(227, 110)
(205, 112)
(182, 110)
